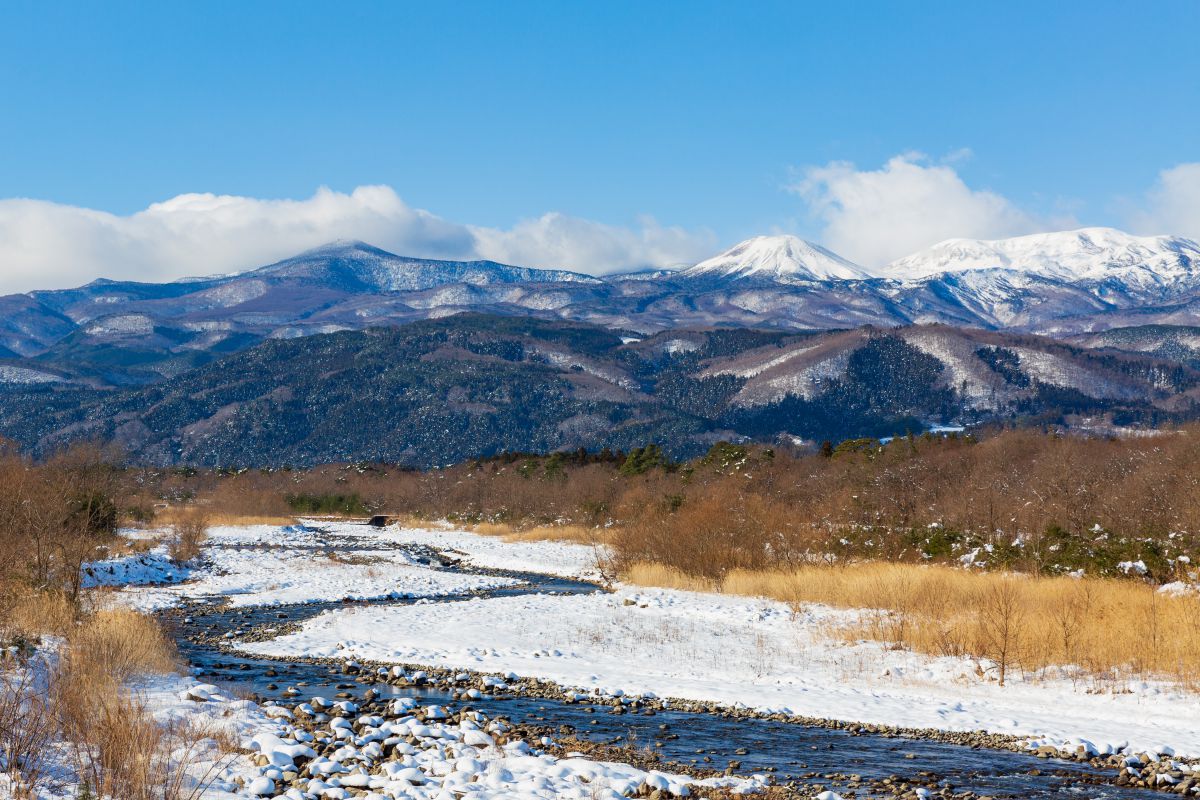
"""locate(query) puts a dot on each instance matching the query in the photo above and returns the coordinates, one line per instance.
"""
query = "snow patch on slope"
(806, 383)
(963, 371)
(137, 324)
(571, 361)
(11, 374)
(1056, 371)
(762, 366)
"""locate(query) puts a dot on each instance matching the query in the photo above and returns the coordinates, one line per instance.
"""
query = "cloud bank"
(1173, 204)
(876, 216)
(47, 245)
(871, 216)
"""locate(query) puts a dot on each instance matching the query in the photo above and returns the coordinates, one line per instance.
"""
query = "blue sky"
(705, 116)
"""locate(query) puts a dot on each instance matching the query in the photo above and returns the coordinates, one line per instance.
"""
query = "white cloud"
(556, 239)
(1173, 204)
(48, 245)
(876, 216)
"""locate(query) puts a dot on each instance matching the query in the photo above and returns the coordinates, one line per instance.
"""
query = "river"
(803, 753)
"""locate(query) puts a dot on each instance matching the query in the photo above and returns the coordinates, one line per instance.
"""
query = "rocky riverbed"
(236, 608)
(796, 756)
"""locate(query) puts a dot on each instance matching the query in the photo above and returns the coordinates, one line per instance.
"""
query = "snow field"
(730, 650)
(275, 565)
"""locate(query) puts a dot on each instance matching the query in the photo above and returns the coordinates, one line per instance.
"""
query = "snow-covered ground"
(707, 647)
(150, 568)
(733, 650)
(564, 559)
(429, 755)
(169, 699)
(272, 565)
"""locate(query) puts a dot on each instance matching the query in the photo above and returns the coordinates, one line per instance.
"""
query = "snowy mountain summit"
(1087, 255)
(784, 259)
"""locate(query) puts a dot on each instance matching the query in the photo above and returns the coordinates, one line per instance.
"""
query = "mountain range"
(440, 391)
(121, 332)
(347, 351)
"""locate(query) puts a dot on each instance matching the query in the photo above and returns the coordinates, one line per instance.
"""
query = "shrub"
(329, 503)
(27, 730)
(119, 644)
(643, 459)
(187, 536)
(94, 513)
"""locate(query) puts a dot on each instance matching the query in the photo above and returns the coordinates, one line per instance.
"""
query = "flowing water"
(790, 751)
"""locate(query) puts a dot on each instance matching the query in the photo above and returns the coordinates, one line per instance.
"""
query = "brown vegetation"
(577, 534)
(55, 516)
(81, 699)
(749, 519)
(1106, 628)
(170, 517)
(119, 749)
(188, 533)
(27, 730)
(1021, 500)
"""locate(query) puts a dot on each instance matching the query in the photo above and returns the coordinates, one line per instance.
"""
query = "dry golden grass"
(1107, 628)
(119, 748)
(184, 514)
(645, 573)
(31, 614)
(544, 533)
(125, 546)
(81, 698)
(118, 644)
(121, 751)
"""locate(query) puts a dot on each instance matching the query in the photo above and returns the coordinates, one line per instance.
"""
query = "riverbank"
(743, 652)
(622, 655)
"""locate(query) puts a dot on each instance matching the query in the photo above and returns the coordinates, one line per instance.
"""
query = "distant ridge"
(1087, 254)
(1061, 284)
(359, 266)
(442, 391)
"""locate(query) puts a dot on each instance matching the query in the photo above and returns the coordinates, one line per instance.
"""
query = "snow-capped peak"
(1087, 254)
(782, 258)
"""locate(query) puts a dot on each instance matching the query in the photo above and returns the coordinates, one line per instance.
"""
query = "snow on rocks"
(388, 749)
(565, 559)
(396, 750)
(203, 693)
(140, 569)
